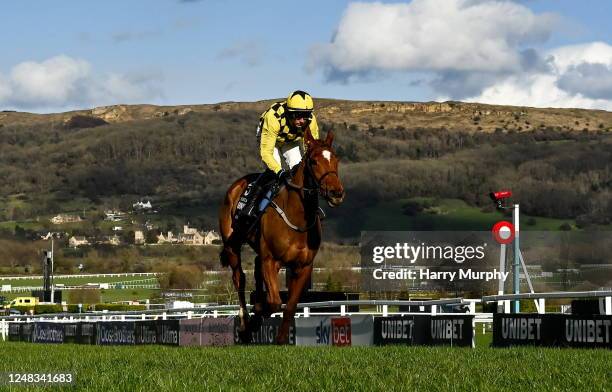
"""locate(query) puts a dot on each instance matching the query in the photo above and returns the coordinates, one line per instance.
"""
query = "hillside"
(558, 161)
(450, 115)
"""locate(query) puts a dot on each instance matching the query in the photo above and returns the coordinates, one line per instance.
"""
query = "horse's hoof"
(255, 322)
(282, 341)
(244, 336)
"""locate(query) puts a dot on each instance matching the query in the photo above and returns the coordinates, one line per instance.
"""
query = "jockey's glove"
(283, 176)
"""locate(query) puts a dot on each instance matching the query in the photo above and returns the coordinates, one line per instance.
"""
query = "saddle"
(254, 200)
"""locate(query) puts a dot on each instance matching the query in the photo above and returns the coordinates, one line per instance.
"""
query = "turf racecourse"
(270, 368)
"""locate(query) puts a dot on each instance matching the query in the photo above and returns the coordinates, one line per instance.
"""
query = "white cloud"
(431, 35)
(58, 79)
(574, 55)
(64, 82)
(476, 50)
(580, 76)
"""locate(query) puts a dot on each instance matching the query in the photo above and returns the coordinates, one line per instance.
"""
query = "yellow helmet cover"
(300, 101)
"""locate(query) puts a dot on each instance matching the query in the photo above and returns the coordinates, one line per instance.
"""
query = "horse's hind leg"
(260, 310)
(231, 254)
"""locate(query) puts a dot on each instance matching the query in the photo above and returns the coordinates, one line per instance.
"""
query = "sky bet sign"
(334, 331)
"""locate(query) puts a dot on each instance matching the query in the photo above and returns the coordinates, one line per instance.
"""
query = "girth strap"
(288, 222)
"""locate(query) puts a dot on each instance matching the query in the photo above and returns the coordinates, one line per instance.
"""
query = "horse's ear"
(308, 139)
(330, 138)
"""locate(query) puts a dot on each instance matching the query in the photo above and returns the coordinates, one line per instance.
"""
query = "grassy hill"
(557, 161)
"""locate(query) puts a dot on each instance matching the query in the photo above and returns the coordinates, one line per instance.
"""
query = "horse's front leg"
(301, 276)
(270, 268)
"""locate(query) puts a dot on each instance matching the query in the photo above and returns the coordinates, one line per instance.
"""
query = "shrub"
(51, 308)
(78, 122)
(181, 277)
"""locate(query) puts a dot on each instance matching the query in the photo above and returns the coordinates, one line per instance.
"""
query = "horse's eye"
(313, 163)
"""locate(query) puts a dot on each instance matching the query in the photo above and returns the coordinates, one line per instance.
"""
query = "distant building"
(65, 218)
(49, 235)
(189, 236)
(189, 230)
(114, 240)
(139, 205)
(139, 238)
(169, 238)
(191, 239)
(211, 236)
(114, 216)
(76, 241)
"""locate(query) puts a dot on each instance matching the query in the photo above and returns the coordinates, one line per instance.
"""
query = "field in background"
(447, 214)
(116, 292)
(316, 368)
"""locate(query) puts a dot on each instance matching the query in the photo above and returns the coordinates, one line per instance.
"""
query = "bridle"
(306, 194)
(323, 191)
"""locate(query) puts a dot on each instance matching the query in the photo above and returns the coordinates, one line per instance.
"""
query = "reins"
(305, 190)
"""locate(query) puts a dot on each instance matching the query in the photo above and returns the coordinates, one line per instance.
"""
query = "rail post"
(517, 260)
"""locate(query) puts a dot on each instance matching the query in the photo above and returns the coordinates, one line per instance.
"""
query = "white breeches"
(291, 152)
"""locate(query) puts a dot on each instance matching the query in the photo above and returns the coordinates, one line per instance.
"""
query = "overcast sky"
(61, 55)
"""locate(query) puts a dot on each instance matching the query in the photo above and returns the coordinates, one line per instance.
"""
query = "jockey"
(279, 133)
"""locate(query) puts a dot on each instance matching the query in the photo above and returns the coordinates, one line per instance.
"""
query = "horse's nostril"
(337, 194)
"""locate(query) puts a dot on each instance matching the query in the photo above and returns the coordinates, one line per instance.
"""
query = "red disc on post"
(503, 231)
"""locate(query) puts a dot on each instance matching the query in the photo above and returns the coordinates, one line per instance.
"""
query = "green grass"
(105, 295)
(449, 214)
(268, 368)
(79, 281)
(126, 294)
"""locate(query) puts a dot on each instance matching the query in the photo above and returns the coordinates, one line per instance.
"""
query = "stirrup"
(321, 213)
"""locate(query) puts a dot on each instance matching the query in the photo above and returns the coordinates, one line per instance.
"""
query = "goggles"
(300, 114)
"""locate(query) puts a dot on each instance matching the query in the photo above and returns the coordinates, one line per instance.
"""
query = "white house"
(113, 240)
(139, 205)
(114, 216)
(65, 218)
(76, 241)
(211, 236)
(168, 239)
(139, 238)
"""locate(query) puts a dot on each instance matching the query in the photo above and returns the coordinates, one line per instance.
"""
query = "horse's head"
(322, 165)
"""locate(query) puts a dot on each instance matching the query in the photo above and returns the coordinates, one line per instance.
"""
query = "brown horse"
(287, 235)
